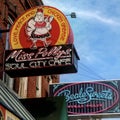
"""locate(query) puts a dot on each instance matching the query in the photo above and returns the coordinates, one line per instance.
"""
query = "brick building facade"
(26, 87)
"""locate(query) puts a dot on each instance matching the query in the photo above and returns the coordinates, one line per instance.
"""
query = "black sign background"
(57, 59)
(89, 97)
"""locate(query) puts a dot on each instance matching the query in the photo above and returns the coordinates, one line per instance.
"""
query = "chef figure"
(38, 28)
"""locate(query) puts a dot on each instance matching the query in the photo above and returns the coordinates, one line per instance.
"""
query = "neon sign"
(41, 44)
(48, 60)
(87, 98)
(87, 95)
(41, 53)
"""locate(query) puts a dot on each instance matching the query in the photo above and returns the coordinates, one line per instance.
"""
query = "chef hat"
(40, 10)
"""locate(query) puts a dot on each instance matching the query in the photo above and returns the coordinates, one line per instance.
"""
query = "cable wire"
(89, 70)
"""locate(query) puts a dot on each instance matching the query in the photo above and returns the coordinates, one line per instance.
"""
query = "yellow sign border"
(50, 11)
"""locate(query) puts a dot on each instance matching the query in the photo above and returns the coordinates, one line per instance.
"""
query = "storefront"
(45, 108)
(10, 106)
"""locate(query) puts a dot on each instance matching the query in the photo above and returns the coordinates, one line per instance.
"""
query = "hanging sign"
(40, 26)
(89, 97)
(57, 59)
(41, 43)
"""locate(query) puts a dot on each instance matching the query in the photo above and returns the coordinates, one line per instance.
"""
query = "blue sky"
(96, 38)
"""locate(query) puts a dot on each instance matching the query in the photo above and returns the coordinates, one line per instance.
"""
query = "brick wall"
(45, 85)
(18, 7)
(16, 85)
(31, 90)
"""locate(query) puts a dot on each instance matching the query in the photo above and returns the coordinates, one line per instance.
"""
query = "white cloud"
(108, 53)
(97, 16)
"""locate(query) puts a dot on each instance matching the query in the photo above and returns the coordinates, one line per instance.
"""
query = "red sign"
(40, 26)
(87, 98)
